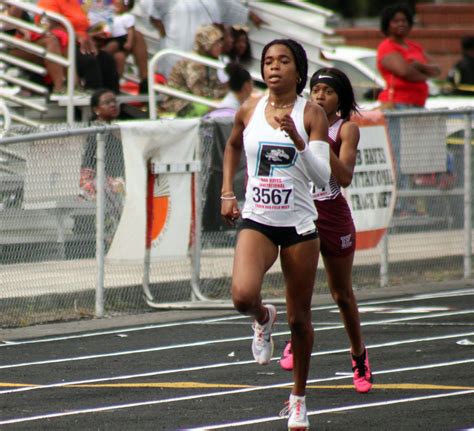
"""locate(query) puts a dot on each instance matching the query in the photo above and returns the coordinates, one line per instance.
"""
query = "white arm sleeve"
(315, 158)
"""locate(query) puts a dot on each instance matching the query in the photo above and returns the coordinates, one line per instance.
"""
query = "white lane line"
(10, 343)
(334, 410)
(225, 364)
(222, 341)
(217, 394)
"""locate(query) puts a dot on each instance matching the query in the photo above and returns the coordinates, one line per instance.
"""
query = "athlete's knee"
(343, 298)
(300, 323)
(244, 301)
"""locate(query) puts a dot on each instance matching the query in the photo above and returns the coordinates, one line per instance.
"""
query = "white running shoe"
(262, 344)
(296, 412)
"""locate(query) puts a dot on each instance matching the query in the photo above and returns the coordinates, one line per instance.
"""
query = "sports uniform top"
(335, 224)
(277, 192)
(332, 189)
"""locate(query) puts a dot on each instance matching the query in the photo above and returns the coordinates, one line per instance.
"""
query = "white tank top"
(278, 188)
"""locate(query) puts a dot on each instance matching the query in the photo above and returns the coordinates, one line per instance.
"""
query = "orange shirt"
(70, 9)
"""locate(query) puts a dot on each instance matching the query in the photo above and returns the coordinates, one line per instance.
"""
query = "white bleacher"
(291, 19)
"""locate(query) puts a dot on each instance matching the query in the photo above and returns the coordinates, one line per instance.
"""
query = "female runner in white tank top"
(284, 138)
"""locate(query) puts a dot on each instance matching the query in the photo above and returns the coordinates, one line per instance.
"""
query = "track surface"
(176, 373)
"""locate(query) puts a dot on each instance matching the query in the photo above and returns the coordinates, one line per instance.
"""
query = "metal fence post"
(384, 260)
(100, 225)
(196, 249)
(467, 196)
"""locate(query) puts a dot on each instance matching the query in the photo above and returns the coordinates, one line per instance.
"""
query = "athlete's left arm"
(342, 168)
(316, 156)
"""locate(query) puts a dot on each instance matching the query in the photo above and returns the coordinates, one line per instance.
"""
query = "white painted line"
(398, 310)
(229, 392)
(222, 341)
(465, 342)
(224, 364)
(334, 410)
(10, 343)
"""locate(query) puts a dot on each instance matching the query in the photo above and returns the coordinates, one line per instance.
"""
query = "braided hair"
(341, 84)
(300, 58)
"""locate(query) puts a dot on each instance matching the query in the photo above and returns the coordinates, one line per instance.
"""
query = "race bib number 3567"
(272, 194)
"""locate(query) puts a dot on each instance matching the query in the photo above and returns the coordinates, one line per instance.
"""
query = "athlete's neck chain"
(288, 105)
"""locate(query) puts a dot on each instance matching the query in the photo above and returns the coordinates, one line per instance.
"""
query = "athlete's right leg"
(254, 255)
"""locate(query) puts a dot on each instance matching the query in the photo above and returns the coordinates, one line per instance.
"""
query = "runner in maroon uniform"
(332, 90)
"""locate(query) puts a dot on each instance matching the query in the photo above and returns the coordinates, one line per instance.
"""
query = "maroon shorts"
(336, 228)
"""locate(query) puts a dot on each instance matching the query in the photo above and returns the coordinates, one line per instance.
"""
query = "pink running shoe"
(362, 374)
(286, 360)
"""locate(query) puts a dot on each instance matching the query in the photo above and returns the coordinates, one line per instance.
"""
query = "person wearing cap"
(197, 78)
(332, 90)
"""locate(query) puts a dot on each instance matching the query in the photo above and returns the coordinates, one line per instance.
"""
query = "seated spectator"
(113, 27)
(240, 86)
(197, 78)
(95, 68)
(240, 89)
(177, 21)
(226, 49)
(50, 41)
(241, 51)
(461, 76)
(104, 111)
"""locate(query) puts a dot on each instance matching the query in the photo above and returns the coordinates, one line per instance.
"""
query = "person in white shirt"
(113, 25)
(177, 21)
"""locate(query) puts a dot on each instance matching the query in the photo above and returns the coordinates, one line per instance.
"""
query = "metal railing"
(7, 119)
(174, 92)
(68, 62)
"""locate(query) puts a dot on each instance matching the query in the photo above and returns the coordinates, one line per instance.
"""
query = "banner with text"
(372, 194)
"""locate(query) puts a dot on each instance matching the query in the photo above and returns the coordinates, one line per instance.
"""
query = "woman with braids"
(332, 90)
(284, 137)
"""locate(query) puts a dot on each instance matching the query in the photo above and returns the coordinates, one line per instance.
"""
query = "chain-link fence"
(50, 261)
(427, 239)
